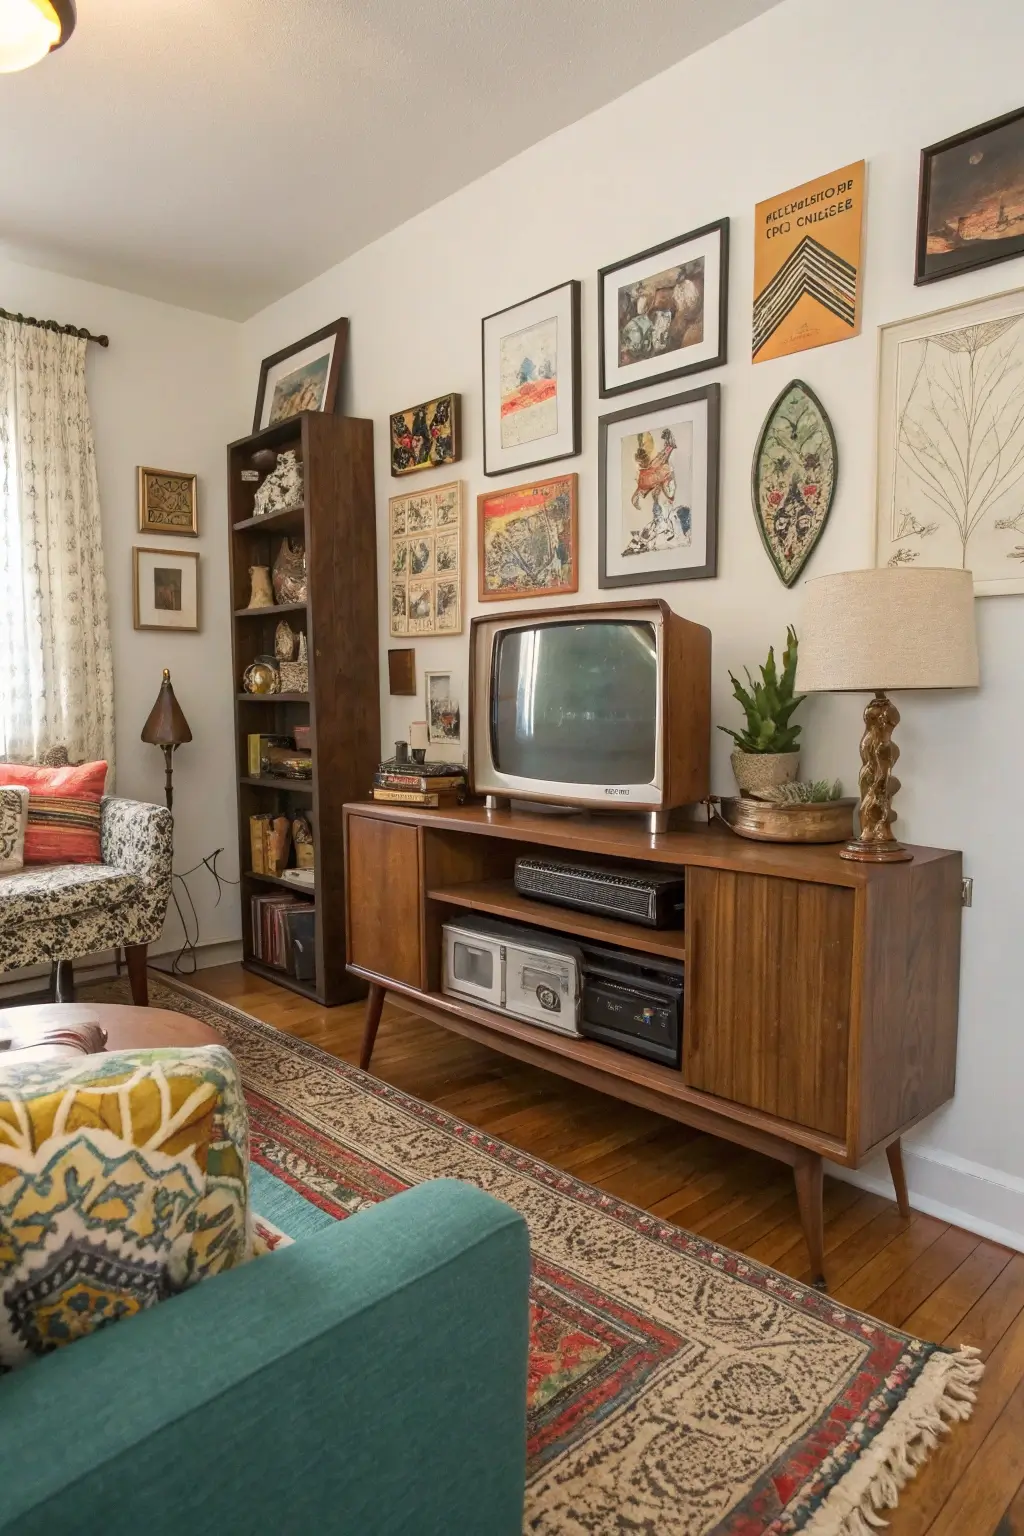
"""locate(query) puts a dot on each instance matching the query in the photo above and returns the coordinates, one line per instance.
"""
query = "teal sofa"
(370, 1380)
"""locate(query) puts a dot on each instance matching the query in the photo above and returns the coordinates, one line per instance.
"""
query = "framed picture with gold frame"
(165, 589)
(167, 502)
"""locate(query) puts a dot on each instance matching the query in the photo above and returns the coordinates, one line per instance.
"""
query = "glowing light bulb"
(28, 30)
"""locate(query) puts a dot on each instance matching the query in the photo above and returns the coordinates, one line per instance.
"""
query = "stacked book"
(283, 934)
(279, 757)
(434, 785)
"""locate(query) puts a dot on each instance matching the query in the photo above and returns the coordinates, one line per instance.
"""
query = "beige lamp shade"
(897, 627)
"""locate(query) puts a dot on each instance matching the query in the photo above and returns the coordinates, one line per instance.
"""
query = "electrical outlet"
(967, 893)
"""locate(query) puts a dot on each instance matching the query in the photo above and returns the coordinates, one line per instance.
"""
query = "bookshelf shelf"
(336, 524)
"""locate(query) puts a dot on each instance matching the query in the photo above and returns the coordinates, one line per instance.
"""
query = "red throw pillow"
(63, 811)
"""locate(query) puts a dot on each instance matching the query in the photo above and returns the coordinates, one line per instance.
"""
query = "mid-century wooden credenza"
(820, 995)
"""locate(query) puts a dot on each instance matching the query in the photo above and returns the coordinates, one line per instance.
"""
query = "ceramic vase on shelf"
(758, 771)
(282, 488)
(261, 594)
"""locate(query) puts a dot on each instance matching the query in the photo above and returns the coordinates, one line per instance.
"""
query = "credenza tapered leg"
(809, 1176)
(894, 1152)
(374, 1009)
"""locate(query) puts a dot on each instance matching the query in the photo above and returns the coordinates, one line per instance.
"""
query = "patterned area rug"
(676, 1389)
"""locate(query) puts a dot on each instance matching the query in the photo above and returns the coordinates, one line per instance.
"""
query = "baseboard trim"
(954, 1189)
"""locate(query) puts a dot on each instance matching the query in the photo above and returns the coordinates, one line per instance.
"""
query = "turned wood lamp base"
(878, 785)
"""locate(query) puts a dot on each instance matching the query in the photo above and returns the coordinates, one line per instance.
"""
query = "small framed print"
(528, 540)
(658, 490)
(165, 585)
(426, 436)
(425, 561)
(663, 313)
(532, 380)
(970, 206)
(167, 502)
(444, 726)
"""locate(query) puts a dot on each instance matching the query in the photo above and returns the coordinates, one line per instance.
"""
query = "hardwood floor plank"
(995, 1311)
(980, 1497)
(922, 1276)
(1012, 1522)
(940, 1314)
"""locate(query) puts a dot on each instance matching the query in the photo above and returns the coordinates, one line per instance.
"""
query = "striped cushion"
(63, 811)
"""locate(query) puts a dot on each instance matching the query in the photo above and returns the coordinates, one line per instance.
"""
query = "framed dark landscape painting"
(970, 209)
(662, 313)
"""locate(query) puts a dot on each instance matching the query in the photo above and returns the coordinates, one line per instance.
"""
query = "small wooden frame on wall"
(402, 672)
(165, 589)
(167, 502)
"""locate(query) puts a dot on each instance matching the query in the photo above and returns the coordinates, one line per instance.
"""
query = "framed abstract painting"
(662, 314)
(970, 206)
(531, 381)
(425, 436)
(528, 540)
(658, 490)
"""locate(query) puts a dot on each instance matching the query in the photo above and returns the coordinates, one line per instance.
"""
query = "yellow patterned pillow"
(123, 1179)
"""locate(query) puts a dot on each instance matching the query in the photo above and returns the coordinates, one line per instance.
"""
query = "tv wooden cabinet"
(820, 995)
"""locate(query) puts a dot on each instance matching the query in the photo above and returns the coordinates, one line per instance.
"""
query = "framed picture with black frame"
(301, 377)
(657, 490)
(663, 313)
(970, 204)
(531, 379)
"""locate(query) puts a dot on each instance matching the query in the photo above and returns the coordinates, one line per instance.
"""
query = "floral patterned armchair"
(60, 912)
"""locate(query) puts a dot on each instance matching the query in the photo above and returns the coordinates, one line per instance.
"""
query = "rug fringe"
(944, 1394)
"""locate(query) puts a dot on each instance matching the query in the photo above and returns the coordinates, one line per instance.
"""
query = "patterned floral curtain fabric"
(56, 671)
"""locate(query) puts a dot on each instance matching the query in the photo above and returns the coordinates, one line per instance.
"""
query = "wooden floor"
(922, 1275)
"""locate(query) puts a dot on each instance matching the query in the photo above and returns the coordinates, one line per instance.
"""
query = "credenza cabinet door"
(384, 898)
(767, 998)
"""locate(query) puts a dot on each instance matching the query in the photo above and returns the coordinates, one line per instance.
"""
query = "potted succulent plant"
(766, 752)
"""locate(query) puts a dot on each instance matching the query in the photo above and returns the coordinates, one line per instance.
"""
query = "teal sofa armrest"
(369, 1380)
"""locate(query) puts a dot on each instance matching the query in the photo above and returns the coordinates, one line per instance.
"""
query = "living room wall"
(161, 394)
(810, 86)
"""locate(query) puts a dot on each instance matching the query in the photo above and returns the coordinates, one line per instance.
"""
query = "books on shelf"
(257, 745)
(284, 933)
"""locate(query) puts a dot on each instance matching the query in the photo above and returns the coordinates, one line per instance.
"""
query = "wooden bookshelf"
(336, 522)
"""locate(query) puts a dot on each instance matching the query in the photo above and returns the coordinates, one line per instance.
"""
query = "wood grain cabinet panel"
(384, 911)
(768, 991)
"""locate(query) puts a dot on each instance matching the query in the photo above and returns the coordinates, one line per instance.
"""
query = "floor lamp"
(167, 729)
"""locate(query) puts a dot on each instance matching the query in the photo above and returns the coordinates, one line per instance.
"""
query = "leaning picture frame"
(663, 313)
(531, 381)
(301, 377)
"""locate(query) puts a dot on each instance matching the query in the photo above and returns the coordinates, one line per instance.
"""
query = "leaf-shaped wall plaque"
(793, 478)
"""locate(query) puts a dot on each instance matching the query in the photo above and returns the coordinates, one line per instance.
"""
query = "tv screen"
(576, 703)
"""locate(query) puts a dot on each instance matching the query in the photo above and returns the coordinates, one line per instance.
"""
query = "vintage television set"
(606, 705)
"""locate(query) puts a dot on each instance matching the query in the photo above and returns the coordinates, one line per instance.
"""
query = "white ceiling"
(218, 153)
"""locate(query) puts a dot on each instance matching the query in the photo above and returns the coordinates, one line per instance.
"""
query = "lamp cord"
(186, 960)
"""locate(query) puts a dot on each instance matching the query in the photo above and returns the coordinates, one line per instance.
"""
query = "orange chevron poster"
(807, 266)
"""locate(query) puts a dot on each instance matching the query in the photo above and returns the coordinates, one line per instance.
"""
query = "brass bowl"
(262, 676)
(821, 821)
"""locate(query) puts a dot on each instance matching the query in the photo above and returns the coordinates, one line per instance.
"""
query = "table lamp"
(167, 728)
(871, 631)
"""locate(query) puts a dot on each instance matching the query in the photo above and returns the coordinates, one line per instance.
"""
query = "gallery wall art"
(444, 716)
(663, 313)
(528, 540)
(165, 589)
(301, 377)
(531, 381)
(658, 490)
(793, 478)
(425, 436)
(425, 561)
(807, 264)
(970, 209)
(167, 502)
(951, 442)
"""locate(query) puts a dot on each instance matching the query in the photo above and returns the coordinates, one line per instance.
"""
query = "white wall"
(165, 393)
(810, 86)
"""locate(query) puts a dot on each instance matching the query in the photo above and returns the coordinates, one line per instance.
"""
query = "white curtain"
(56, 671)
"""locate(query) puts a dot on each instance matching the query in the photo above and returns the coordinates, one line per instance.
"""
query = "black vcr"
(634, 895)
(633, 1001)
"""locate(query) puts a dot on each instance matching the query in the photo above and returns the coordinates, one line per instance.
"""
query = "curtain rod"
(52, 325)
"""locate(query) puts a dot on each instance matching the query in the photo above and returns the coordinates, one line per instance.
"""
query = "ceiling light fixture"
(30, 29)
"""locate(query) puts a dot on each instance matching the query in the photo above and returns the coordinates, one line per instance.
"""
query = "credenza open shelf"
(820, 996)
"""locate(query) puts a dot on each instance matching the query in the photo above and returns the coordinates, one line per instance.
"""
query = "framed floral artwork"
(657, 493)
(425, 561)
(531, 381)
(528, 539)
(793, 478)
(167, 502)
(663, 313)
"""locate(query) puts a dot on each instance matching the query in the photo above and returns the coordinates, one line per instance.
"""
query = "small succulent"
(769, 704)
(805, 792)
